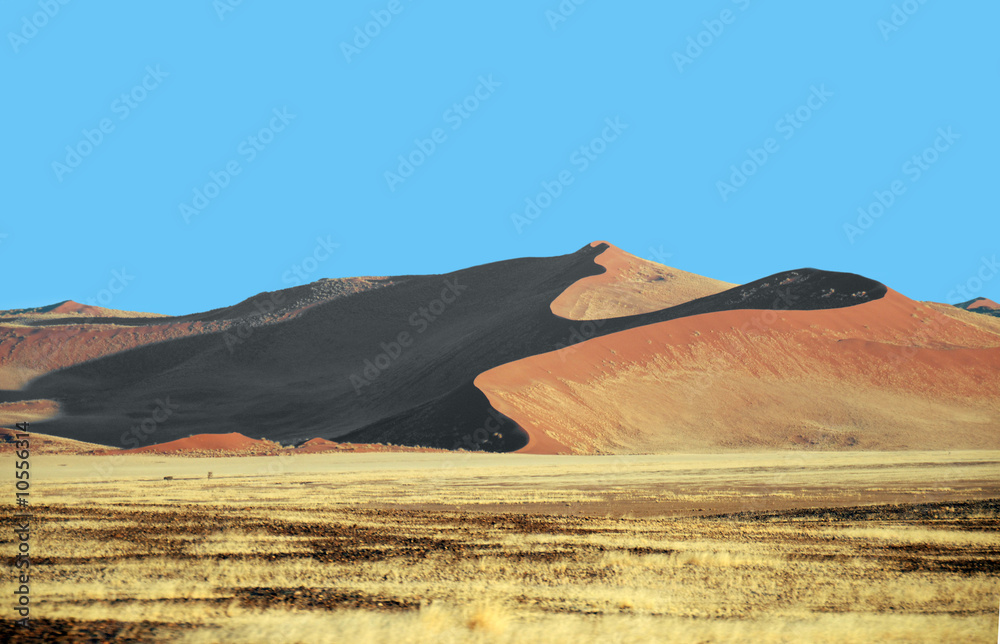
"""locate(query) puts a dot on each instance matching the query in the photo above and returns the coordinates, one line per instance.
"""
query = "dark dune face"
(393, 363)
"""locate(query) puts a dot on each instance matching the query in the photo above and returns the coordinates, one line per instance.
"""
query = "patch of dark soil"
(312, 598)
(75, 631)
(912, 512)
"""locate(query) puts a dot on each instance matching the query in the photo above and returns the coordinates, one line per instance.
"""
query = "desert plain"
(470, 547)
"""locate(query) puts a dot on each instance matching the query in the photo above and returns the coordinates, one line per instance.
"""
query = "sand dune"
(44, 444)
(630, 285)
(981, 305)
(680, 362)
(70, 309)
(885, 374)
(232, 443)
(37, 341)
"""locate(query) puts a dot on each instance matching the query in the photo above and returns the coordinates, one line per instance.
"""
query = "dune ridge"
(414, 361)
(630, 285)
(866, 377)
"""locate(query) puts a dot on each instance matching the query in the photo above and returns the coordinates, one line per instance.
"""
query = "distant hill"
(981, 305)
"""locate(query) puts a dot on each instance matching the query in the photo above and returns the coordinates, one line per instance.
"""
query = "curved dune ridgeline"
(630, 285)
(886, 374)
(596, 350)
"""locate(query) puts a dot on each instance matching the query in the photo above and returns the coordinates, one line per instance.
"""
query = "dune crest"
(630, 285)
(231, 443)
(479, 359)
(868, 376)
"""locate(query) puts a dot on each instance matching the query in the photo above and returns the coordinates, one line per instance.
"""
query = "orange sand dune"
(69, 309)
(231, 443)
(629, 286)
(984, 303)
(981, 306)
(887, 374)
(69, 306)
(974, 318)
(394, 360)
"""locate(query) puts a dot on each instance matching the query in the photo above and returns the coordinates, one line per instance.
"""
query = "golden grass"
(211, 569)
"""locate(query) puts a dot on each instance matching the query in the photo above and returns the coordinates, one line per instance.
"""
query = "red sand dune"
(30, 351)
(886, 374)
(231, 443)
(631, 285)
(37, 341)
(983, 303)
(69, 306)
(710, 372)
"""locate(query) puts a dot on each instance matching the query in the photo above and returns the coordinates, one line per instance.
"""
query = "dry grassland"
(498, 548)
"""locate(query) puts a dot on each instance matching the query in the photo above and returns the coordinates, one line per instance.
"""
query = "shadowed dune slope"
(393, 364)
(886, 374)
(631, 285)
(37, 341)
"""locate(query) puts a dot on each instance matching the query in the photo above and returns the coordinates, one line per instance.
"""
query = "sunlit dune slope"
(393, 364)
(885, 374)
(631, 285)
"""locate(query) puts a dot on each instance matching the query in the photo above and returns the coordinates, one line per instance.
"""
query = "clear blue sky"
(848, 93)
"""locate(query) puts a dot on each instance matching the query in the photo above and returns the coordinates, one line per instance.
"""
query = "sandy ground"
(658, 485)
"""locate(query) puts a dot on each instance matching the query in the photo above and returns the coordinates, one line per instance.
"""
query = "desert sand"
(630, 285)
(596, 351)
(866, 377)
